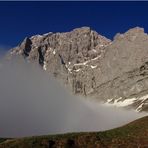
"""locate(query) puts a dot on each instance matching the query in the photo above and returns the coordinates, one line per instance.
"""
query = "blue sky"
(21, 19)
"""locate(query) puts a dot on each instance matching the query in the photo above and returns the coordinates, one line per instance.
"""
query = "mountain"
(113, 72)
(132, 135)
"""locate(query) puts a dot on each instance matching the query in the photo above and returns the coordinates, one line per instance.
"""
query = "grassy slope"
(132, 135)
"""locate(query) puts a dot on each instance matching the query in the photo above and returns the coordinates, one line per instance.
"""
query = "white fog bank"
(32, 103)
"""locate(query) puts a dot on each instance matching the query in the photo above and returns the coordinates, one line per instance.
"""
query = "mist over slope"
(2, 52)
(131, 135)
(33, 103)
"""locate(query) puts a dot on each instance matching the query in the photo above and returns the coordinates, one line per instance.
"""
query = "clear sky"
(21, 19)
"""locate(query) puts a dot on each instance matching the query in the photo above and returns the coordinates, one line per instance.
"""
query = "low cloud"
(3, 50)
(33, 103)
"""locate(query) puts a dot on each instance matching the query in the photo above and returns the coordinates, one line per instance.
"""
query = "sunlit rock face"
(73, 56)
(123, 71)
(114, 72)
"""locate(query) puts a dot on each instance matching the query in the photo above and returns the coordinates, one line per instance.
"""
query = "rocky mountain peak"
(135, 30)
(131, 34)
(92, 65)
(76, 46)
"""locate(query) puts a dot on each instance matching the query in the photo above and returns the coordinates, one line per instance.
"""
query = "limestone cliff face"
(72, 56)
(123, 71)
(113, 72)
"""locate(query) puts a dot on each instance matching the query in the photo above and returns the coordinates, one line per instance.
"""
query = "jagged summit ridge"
(92, 65)
(81, 42)
(131, 34)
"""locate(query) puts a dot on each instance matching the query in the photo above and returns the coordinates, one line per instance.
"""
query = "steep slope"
(112, 72)
(67, 56)
(132, 135)
(124, 71)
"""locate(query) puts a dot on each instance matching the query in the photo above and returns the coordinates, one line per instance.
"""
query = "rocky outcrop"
(114, 72)
(123, 71)
(127, 52)
(127, 90)
(72, 56)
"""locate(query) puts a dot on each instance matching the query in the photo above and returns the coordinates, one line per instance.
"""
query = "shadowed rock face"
(113, 72)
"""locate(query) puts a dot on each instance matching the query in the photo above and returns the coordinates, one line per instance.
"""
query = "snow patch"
(54, 52)
(69, 70)
(109, 100)
(77, 70)
(123, 103)
(96, 58)
(86, 62)
(78, 64)
(94, 50)
(93, 66)
(119, 103)
(45, 66)
(139, 107)
(143, 98)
